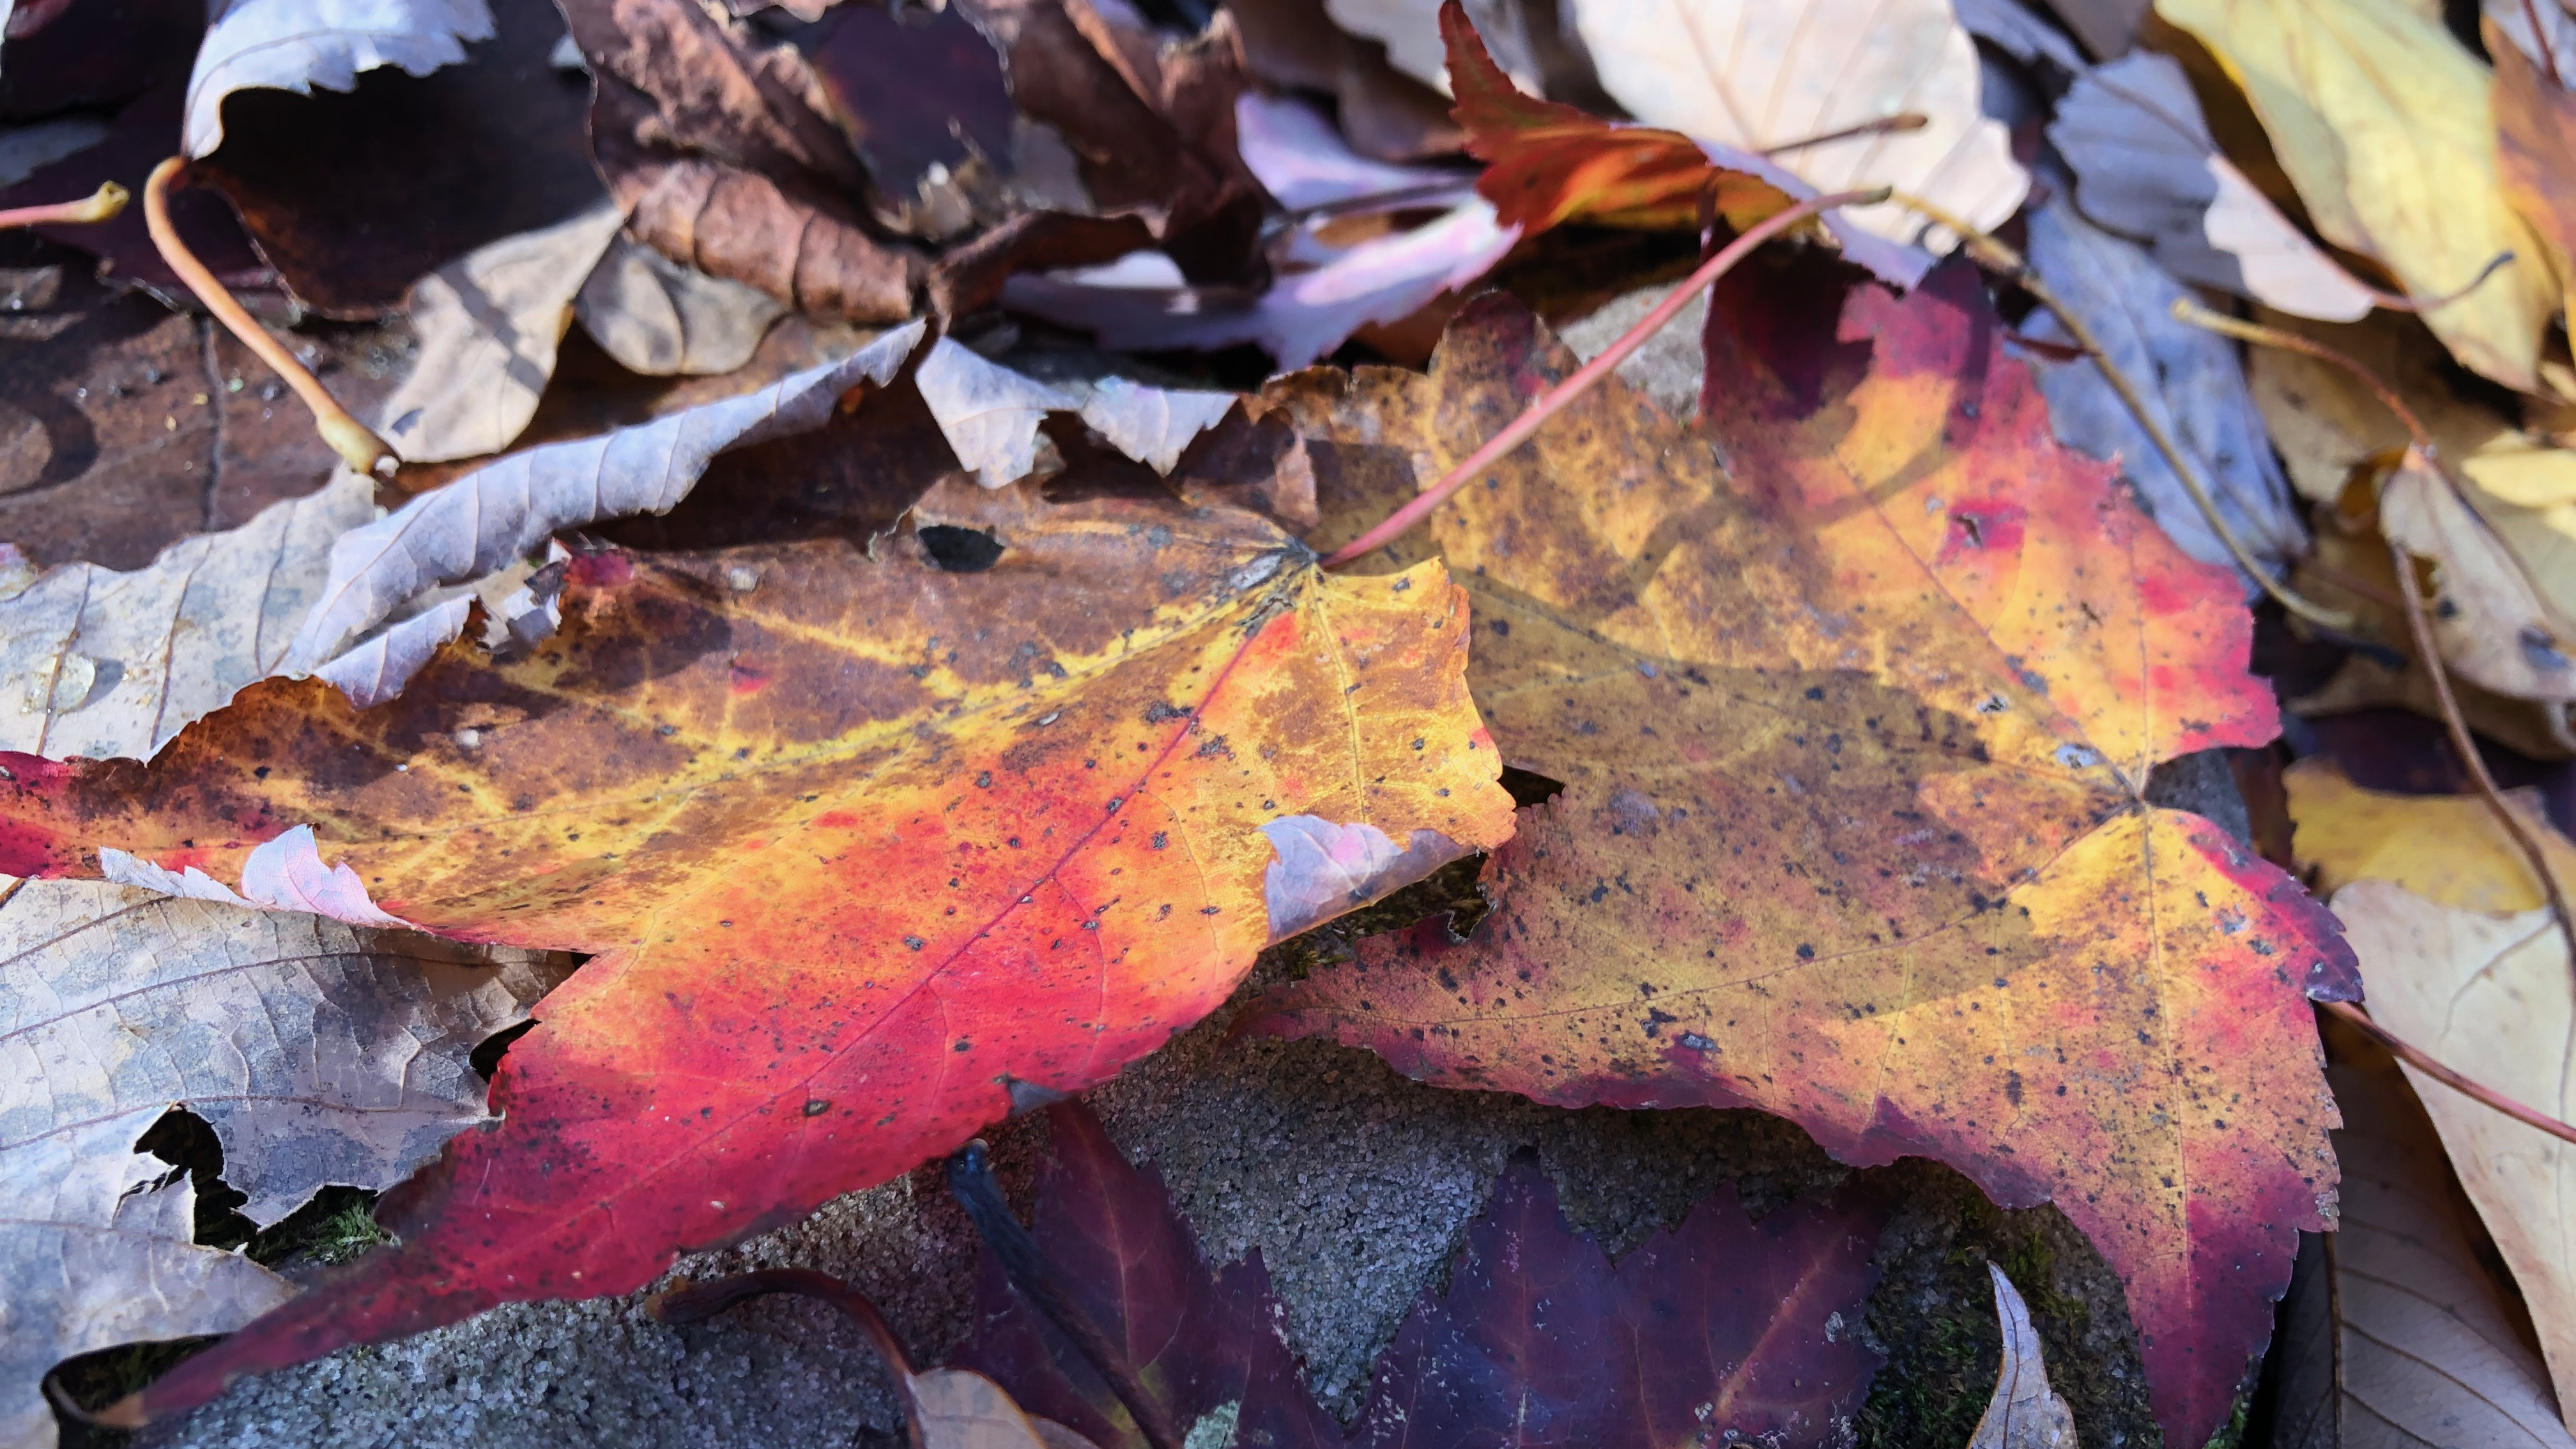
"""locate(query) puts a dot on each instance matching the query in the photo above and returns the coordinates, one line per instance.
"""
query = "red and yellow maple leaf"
(1854, 829)
(864, 845)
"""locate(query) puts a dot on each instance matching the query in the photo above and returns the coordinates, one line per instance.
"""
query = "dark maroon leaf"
(143, 135)
(65, 53)
(1717, 1329)
(913, 90)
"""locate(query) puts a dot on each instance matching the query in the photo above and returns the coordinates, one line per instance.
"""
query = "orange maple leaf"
(1855, 745)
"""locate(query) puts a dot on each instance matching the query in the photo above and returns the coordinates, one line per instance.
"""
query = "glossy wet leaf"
(1855, 744)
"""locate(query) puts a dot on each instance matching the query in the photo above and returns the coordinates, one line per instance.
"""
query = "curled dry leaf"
(988, 413)
(489, 323)
(1755, 75)
(297, 45)
(2442, 847)
(1854, 746)
(862, 841)
(2023, 1414)
(2492, 627)
(501, 512)
(2383, 123)
(116, 664)
(2146, 167)
(2398, 1333)
(1719, 1329)
(2190, 379)
(318, 1053)
(2487, 994)
(661, 319)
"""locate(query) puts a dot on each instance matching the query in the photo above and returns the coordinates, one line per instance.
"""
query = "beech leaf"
(860, 841)
(297, 45)
(1757, 74)
(1719, 1329)
(1854, 746)
(319, 1054)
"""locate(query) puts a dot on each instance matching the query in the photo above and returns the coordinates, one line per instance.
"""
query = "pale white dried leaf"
(2425, 1350)
(2190, 379)
(988, 413)
(296, 45)
(1324, 869)
(2146, 167)
(662, 319)
(376, 668)
(2023, 1414)
(2489, 995)
(1762, 74)
(962, 1409)
(499, 513)
(318, 1053)
(1410, 31)
(98, 663)
(1302, 161)
(1153, 425)
(489, 325)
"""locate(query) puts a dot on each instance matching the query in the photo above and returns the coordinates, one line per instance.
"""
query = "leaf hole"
(960, 550)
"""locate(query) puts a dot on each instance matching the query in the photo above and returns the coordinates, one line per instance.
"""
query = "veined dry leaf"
(1718, 1330)
(862, 841)
(489, 323)
(961, 1409)
(2398, 1334)
(1855, 747)
(661, 319)
(2023, 1414)
(499, 513)
(2147, 167)
(1755, 75)
(2488, 622)
(103, 664)
(725, 164)
(2190, 378)
(318, 1053)
(2442, 847)
(297, 45)
(2383, 123)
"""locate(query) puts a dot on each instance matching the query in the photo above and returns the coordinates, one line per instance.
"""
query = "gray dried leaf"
(2190, 378)
(498, 513)
(1324, 870)
(988, 413)
(318, 1053)
(101, 664)
(2023, 1414)
(662, 319)
(2147, 168)
(2557, 32)
(489, 324)
(296, 45)
(1152, 425)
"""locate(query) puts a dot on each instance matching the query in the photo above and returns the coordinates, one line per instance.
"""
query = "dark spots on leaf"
(817, 1106)
(1806, 951)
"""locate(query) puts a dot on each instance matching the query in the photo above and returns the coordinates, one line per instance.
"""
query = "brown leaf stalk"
(1901, 122)
(697, 1302)
(2419, 627)
(354, 441)
(1585, 378)
(1997, 257)
(2422, 1061)
(100, 205)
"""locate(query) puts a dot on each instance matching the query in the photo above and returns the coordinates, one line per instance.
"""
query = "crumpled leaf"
(2383, 123)
(297, 45)
(319, 1054)
(2399, 1333)
(2146, 167)
(1152, 425)
(861, 841)
(2023, 1414)
(2190, 378)
(661, 319)
(489, 323)
(1854, 748)
(1715, 1330)
(1755, 75)
(104, 664)
(498, 513)
(988, 413)
(2488, 994)
(724, 163)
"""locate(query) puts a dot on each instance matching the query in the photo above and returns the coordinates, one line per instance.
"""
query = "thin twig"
(100, 205)
(2416, 1057)
(1556, 399)
(970, 1179)
(354, 441)
(1995, 256)
(1884, 126)
(699, 1302)
(2186, 310)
